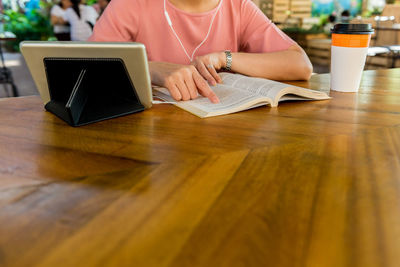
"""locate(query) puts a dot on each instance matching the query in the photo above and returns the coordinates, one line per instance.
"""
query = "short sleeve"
(56, 11)
(118, 23)
(67, 14)
(92, 14)
(258, 34)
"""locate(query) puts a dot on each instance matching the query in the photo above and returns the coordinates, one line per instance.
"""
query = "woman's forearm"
(57, 20)
(291, 64)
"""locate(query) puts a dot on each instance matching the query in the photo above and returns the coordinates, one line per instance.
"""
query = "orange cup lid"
(351, 40)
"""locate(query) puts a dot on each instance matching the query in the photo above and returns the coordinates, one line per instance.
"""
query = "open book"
(238, 92)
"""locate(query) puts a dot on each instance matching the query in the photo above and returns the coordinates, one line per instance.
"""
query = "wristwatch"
(228, 55)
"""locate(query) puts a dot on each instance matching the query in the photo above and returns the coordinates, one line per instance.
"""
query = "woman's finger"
(203, 88)
(175, 92)
(214, 73)
(183, 89)
(190, 84)
(205, 73)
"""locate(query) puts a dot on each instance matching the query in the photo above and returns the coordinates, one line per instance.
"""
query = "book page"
(257, 86)
(271, 89)
(229, 98)
(239, 92)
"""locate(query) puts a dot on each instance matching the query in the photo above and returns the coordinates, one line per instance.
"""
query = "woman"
(60, 27)
(188, 41)
(82, 19)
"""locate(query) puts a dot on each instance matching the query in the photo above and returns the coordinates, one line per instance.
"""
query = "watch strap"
(228, 55)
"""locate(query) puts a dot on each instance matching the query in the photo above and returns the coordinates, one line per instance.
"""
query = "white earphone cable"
(179, 40)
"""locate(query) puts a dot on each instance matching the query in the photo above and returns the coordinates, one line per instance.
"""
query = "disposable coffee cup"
(348, 54)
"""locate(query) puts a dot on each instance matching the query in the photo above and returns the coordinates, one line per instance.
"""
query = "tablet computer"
(131, 55)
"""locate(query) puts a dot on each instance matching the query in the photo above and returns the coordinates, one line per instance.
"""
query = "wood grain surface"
(305, 184)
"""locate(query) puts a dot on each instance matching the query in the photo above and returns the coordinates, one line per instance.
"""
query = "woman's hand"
(208, 65)
(184, 82)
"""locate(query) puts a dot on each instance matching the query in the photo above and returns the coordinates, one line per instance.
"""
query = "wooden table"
(305, 184)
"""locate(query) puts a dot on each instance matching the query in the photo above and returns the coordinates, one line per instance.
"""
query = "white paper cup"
(348, 53)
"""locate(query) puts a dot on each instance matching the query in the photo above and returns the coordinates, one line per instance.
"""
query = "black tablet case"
(87, 90)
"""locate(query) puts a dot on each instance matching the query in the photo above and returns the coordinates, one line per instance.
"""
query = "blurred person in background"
(330, 23)
(102, 5)
(61, 28)
(345, 16)
(81, 19)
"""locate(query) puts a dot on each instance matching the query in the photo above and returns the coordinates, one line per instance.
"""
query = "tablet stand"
(87, 90)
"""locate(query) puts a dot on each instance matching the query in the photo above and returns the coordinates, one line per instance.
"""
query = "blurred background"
(308, 22)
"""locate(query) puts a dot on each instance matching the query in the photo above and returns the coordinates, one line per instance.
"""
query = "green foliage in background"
(323, 20)
(91, 2)
(374, 12)
(34, 26)
(315, 29)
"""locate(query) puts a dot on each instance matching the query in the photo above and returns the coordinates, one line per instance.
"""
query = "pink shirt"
(238, 26)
